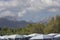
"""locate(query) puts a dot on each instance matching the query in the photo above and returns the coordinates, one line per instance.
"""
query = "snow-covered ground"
(35, 36)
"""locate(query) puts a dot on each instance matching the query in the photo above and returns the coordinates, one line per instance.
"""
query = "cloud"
(8, 3)
(21, 14)
(38, 5)
(30, 5)
(53, 10)
(6, 13)
(24, 8)
(2, 9)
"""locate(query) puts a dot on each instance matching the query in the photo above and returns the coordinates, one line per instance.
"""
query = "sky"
(29, 10)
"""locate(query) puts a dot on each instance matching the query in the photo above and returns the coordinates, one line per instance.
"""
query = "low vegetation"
(53, 26)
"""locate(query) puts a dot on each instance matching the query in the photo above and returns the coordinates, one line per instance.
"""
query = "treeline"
(53, 26)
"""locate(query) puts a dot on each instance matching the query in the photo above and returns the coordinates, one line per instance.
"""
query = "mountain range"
(13, 24)
(8, 22)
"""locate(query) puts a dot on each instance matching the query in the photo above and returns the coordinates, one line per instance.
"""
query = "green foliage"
(53, 26)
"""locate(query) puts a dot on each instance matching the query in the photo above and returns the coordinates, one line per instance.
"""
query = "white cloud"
(6, 13)
(53, 10)
(30, 4)
(21, 7)
(36, 5)
(21, 14)
(8, 3)
(2, 9)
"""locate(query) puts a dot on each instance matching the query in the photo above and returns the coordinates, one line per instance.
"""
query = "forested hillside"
(53, 26)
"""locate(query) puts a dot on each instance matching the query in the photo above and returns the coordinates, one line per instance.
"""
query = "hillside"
(12, 24)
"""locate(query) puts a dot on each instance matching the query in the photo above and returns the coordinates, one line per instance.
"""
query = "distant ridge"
(8, 22)
(13, 24)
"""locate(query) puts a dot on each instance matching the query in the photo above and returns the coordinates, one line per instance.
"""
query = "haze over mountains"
(8, 22)
(13, 24)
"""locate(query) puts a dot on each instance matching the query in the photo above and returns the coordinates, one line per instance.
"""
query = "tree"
(53, 26)
(35, 28)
